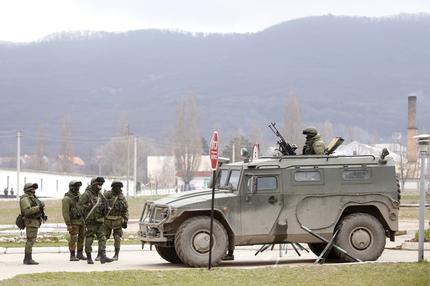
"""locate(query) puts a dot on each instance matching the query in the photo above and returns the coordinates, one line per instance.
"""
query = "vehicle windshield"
(228, 179)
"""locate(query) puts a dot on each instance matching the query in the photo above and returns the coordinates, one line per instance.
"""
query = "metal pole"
(135, 166)
(422, 202)
(423, 143)
(128, 157)
(18, 160)
(212, 221)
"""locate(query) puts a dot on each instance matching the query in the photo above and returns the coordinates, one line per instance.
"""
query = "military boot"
(98, 256)
(115, 257)
(28, 260)
(73, 256)
(89, 260)
(103, 258)
(80, 255)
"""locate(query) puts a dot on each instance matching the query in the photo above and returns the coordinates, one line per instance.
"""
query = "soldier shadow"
(237, 263)
(263, 263)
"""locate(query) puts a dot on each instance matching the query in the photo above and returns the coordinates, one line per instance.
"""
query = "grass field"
(398, 274)
(10, 209)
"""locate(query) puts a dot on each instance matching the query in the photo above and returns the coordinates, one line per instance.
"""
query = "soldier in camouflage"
(314, 144)
(117, 217)
(95, 208)
(74, 221)
(32, 210)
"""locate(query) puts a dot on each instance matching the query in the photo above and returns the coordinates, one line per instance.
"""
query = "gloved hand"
(69, 228)
(42, 205)
(124, 224)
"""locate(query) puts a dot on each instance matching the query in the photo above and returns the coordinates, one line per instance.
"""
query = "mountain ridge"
(347, 71)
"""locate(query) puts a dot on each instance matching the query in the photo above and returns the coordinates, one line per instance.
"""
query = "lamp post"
(423, 147)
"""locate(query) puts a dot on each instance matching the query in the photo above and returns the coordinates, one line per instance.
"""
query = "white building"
(51, 184)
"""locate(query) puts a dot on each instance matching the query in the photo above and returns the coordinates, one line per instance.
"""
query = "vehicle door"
(261, 201)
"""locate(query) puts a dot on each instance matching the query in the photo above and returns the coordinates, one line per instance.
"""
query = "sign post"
(213, 153)
(423, 144)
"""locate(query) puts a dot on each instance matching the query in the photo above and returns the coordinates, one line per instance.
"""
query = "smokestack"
(412, 128)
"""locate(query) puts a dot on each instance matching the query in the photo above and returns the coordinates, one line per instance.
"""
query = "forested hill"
(348, 70)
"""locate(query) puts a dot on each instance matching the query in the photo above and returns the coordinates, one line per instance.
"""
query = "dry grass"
(393, 274)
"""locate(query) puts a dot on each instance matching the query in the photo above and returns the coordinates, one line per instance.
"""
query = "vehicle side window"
(264, 184)
(307, 176)
(234, 179)
(222, 178)
(356, 175)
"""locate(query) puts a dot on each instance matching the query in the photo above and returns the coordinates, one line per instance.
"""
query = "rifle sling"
(94, 207)
(113, 204)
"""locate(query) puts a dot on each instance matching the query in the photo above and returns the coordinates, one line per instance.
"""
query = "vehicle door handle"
(272, 200)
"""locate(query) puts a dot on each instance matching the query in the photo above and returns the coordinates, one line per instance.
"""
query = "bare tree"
(66, 151)
(326, 131)
(112, 157)
(293, 126)
(39, 162)
(187, 143)
(256, 135)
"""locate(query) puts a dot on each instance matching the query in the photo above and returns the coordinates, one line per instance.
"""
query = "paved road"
(11, 264)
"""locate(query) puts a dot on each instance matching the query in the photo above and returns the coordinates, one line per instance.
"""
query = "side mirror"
(244, 153)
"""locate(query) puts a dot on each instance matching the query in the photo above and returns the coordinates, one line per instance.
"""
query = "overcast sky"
(29, 20)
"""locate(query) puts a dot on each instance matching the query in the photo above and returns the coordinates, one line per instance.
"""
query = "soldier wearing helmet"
(32, 210)
(314, 144)
(117, 217)
(94, 207)
(74, 221)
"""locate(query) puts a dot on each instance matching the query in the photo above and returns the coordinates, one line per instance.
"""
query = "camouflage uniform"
(94, 207)
(313, 145)
(75, 222)
(117, 217)
(32, 210)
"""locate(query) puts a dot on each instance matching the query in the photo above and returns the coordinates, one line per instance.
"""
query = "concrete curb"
(65, 249)
(408, 245)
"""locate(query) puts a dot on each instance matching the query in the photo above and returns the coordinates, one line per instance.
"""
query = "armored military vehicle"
(274, 200)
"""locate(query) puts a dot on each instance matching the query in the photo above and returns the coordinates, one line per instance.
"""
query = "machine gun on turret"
(283, 146)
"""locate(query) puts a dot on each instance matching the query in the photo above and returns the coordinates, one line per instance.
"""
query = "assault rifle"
(283, 146)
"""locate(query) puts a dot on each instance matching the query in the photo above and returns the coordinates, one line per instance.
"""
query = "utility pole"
(233, 153)
(135, 165)
(128, 158)
(423, 144)
(18, 161)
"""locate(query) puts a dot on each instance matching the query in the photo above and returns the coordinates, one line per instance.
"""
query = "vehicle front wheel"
(362, 236)
(168, 253)
(192, 241)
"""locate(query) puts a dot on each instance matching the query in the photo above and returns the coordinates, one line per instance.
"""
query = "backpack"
(20, 221)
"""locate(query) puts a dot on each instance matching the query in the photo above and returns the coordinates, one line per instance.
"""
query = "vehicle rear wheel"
(168, 253)
(362, 236)
(192, 241)
(317, 249)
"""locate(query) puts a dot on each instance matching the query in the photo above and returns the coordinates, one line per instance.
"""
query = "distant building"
(162, 173)
(51, 184)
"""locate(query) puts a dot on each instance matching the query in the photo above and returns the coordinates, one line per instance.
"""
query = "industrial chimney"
(412, 129)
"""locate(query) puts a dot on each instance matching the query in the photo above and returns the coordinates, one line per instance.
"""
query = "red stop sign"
(213, 152)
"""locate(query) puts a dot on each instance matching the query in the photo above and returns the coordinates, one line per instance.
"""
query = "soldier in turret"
(74, 221)
(95, 208)
(117, 217)
(32, 210)
(314, 144)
